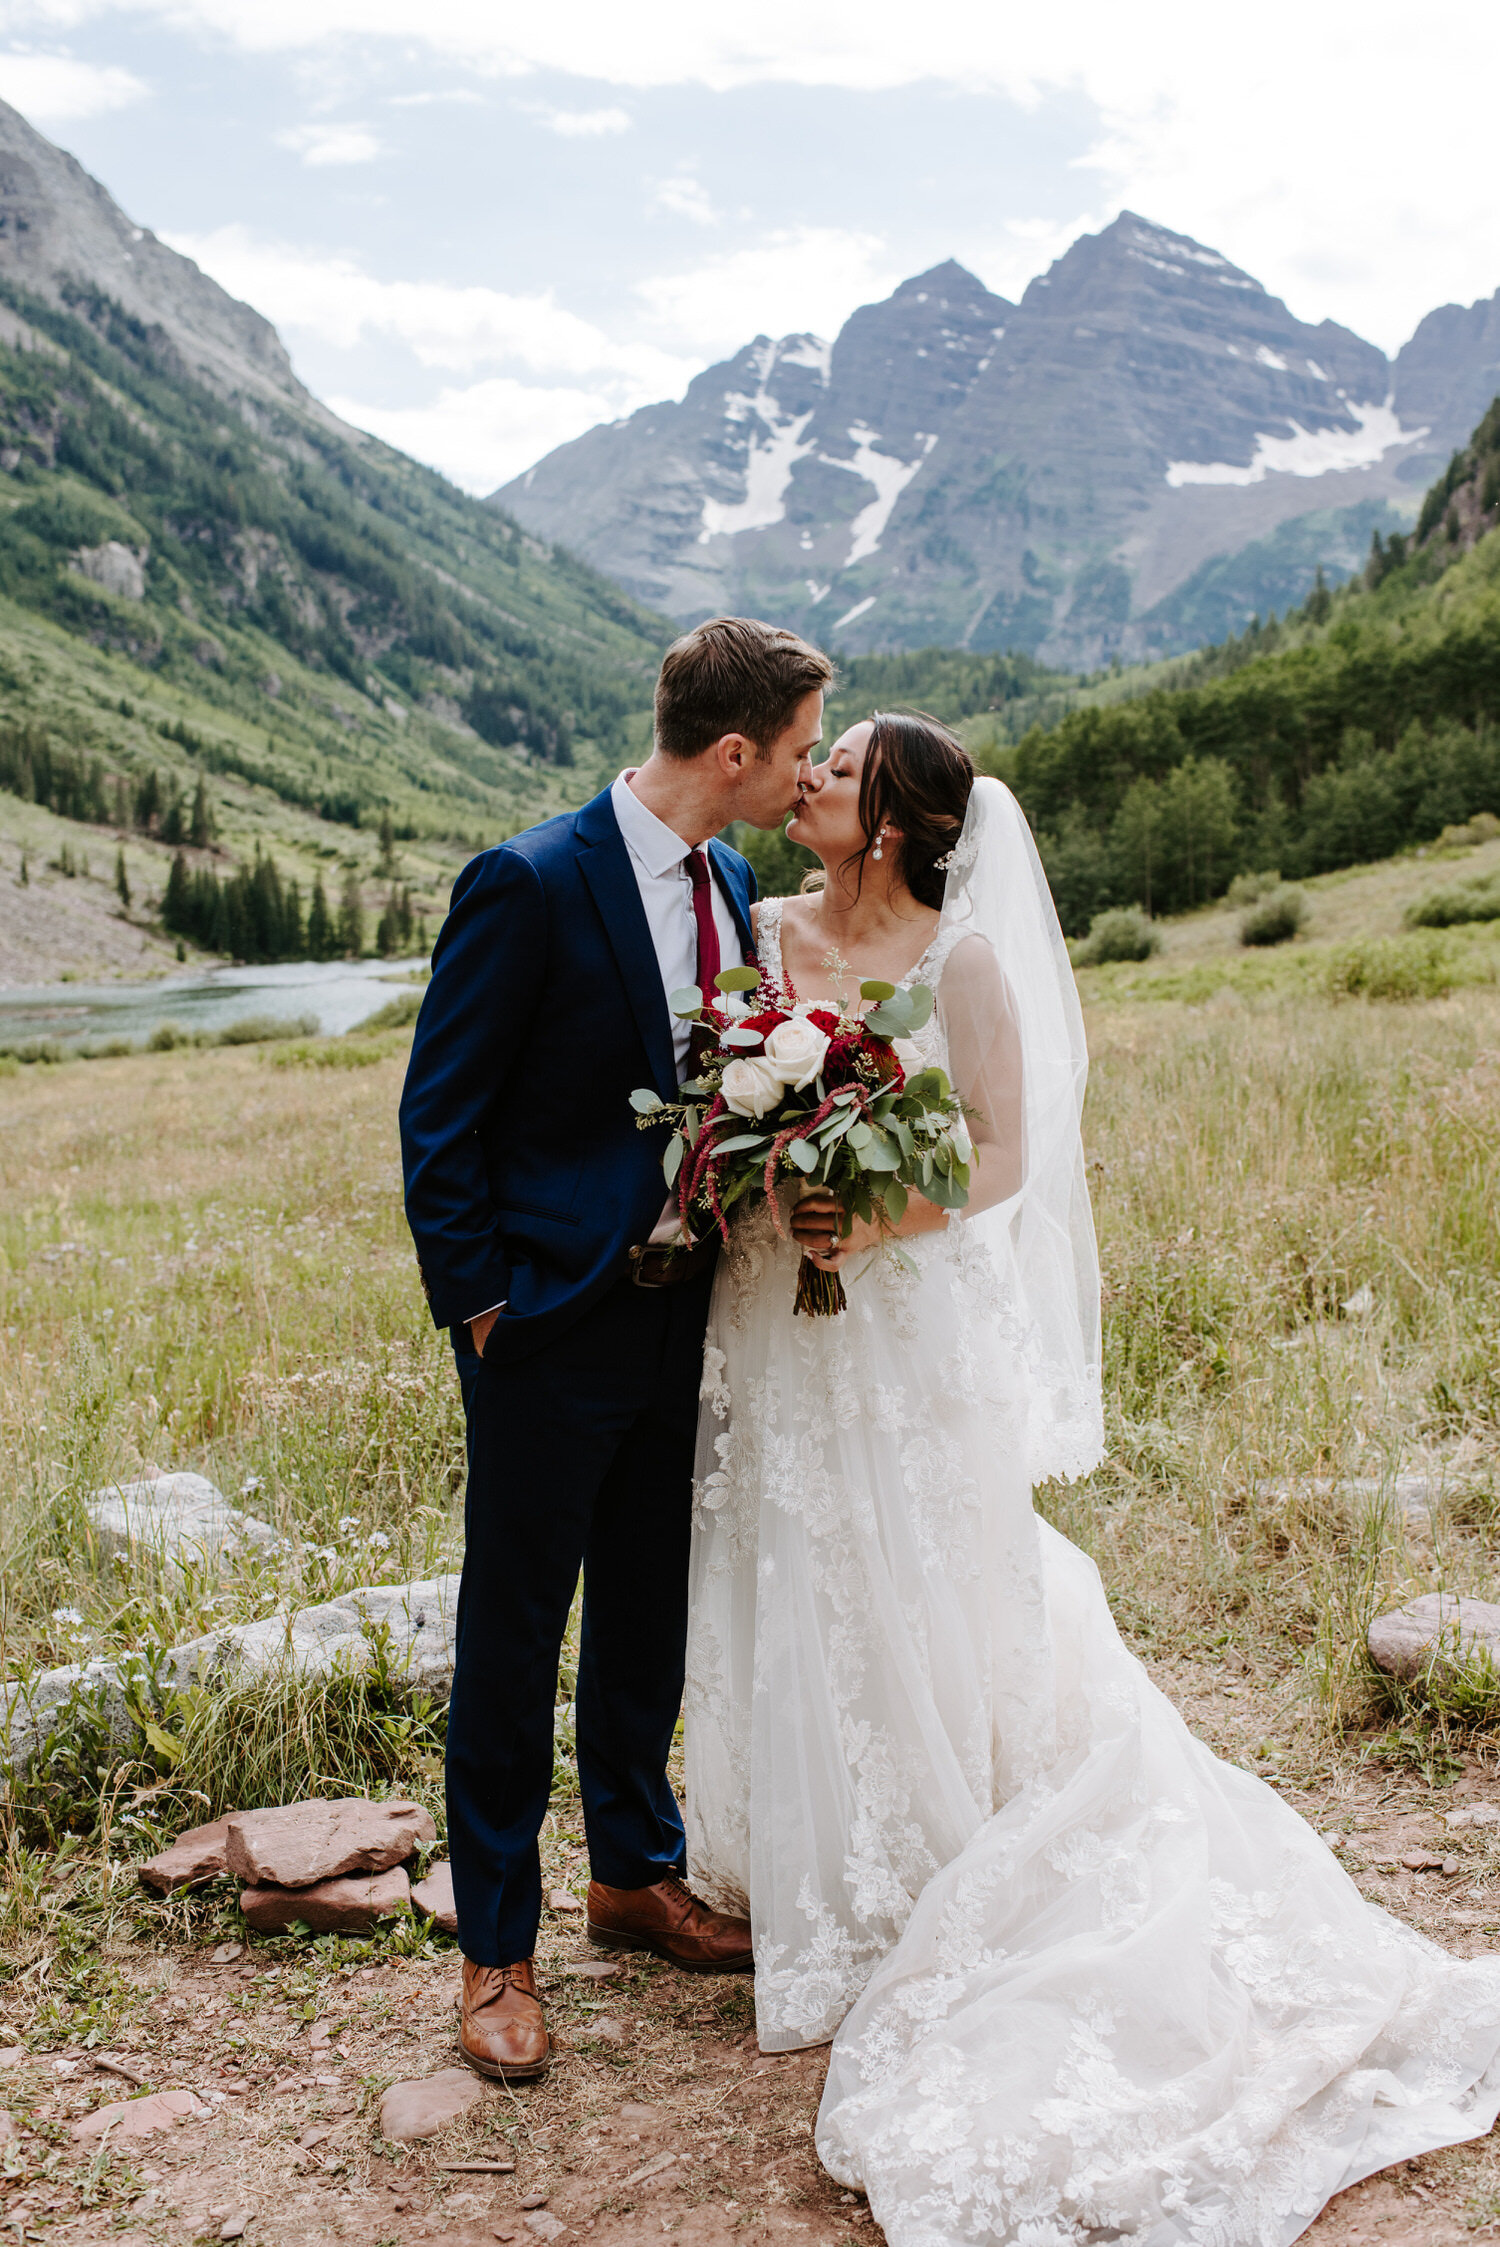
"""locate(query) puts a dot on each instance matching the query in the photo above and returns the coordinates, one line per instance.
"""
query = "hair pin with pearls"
(941, 865)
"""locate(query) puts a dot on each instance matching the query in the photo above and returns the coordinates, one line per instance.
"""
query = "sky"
(482, 228)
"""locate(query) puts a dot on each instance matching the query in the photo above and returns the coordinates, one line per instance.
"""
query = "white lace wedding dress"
(1084, 1981)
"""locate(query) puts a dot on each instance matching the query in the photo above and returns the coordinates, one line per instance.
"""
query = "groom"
(533, 1200)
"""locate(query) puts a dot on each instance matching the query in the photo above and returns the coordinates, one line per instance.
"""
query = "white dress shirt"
(658, 860)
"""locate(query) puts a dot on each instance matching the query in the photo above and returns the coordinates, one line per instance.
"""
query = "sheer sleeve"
(982, 1030)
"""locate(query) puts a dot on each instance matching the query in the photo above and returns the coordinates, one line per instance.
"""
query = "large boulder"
(432, 1896)
(177, 1520)
(194, 1856)
(1439, 1629)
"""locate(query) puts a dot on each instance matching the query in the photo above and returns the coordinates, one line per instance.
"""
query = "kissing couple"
(1082, 1980)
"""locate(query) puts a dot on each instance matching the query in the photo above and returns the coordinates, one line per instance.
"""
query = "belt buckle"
(638, 1257)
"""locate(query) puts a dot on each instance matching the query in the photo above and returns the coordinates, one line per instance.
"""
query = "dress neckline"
(768, 945)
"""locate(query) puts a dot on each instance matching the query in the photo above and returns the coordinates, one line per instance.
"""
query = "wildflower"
(71, 1616)
(250, 1485)
(348, 1523)
(378, 1541)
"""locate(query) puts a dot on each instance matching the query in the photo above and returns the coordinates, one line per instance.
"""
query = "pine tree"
(322, 937)
(352, 917)
(122, 879)
(1319, 600)
(147, 800)
(201, 829)
(177, 904)
(387, 864)
(172, 822)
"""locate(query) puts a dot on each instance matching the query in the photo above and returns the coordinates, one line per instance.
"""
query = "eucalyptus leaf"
(671, 1161)
(804, 1154)
(740, 1037)
(892, 1020)
(860, 1135)
(921, 1005)
(738, 978)
(896, 1199)
(744, 1139)
(877, 990)
(880, 1154)
(645, 1103)
(686, 1002)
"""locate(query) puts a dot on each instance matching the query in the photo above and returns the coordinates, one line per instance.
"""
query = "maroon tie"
(702, 1040)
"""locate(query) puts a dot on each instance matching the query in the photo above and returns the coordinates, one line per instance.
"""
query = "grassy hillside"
(325, 634)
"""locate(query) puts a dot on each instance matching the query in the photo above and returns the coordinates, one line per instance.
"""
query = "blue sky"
(478, 236)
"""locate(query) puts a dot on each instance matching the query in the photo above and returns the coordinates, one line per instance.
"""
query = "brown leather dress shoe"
(669, 1920)
(502, 2032)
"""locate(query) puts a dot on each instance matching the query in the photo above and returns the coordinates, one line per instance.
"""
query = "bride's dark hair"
(918, 776)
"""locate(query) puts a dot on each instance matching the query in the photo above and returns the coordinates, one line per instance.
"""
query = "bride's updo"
(918, 776)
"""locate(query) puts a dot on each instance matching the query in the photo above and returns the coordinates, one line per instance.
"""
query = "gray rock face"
(180, 1520)
(958, 470)
(118, 568)
(1439, 1625)
(418, 1617)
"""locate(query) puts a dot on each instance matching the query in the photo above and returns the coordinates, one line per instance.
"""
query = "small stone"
(12, 2055)
(432, 1896)
(137, 2118)
(421, 2107)
(1475, 1814)
(8, 2128)
(652, 2168)
(563, 1900)
(1450, 1866)
(592, 1970)
(235, 2226)
(346, 1906)
(1420, 1860)
(532, 2200)
(313, 1841)
(195, 1855)
(1439, 1628)
(226, 1954)
(607, 2030)
(544, 2226)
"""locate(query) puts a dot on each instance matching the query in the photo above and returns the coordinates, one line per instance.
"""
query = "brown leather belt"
(671, 1267)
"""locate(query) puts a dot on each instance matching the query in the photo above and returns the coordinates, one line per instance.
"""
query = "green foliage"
(1391, 967)
(1459, 902)
(253, 916)
(1123, 933)
(1274, 918)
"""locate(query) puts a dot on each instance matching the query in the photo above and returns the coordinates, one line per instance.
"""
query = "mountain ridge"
(1074, 476)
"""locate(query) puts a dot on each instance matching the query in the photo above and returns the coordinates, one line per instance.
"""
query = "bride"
(1083, 1981)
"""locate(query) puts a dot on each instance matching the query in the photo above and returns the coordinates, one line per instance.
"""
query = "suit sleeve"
(487, 971)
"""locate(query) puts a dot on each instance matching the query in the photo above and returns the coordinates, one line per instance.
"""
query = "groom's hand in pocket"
(479, 1329)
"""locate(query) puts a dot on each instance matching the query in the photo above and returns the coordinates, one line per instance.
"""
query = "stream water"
(335, 993)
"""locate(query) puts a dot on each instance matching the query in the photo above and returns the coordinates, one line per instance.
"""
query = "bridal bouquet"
(811, 1092)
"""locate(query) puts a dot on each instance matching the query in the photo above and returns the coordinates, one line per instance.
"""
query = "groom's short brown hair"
(733, 675)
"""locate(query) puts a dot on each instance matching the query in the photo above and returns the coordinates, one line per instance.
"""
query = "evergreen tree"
(25, 876)
(352, 917)
(1319, 600)
(322, 936)
(1134, 839)
(173, 825)
(201, 829)
(387, 863)
(122, 879)
(178, 904)
(147, 800)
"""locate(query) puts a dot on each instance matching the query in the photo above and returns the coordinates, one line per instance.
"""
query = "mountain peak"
(1135, 252)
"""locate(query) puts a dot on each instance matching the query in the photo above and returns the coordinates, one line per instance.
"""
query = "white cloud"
(484, 434)
(686, 197)
(582, 124)
(809, 277)
(1283, 145)
(331, 144)
(461, 330)
(57, 90)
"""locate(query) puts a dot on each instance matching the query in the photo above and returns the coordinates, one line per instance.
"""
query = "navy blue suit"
(527, 1183)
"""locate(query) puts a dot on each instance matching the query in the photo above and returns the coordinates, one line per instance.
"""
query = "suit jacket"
(527, 1180)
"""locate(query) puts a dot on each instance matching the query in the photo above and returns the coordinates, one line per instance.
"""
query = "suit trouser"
(580, 1456)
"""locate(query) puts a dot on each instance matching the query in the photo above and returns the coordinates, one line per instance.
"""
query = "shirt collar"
(658, 847)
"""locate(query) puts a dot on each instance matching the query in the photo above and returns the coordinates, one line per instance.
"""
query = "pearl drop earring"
(879, 840)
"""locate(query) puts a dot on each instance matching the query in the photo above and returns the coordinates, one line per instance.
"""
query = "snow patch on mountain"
(859, 609)
(890, 478)
(1306, 452)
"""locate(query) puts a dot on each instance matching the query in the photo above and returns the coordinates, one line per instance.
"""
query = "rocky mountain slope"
(1143, 452)
(313, 612)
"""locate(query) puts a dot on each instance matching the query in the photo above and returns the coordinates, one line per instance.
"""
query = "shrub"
(1482, 828)
(1460, 901)
(1391, 967)
(396, 1015)
(165, 1037)
(1249, 889)
(258, 1029)
(1122, 934)
(1277, 916)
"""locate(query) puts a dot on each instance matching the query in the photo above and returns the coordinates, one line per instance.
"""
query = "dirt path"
(660, 2118)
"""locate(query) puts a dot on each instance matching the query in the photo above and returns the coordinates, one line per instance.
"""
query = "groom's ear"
(732, 752)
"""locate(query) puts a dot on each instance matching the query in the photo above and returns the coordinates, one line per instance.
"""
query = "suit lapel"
(729, 867)
(605, 865)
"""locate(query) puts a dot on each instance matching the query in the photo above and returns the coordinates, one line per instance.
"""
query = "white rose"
(795, 1051)
(751, 1087)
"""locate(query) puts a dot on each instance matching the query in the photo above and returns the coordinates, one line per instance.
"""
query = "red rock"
(137, 2118)
(195, 1855)
(562, 1900)
(420, 2108)
(432, 1896)
(312, 1841)
(345, 1906)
